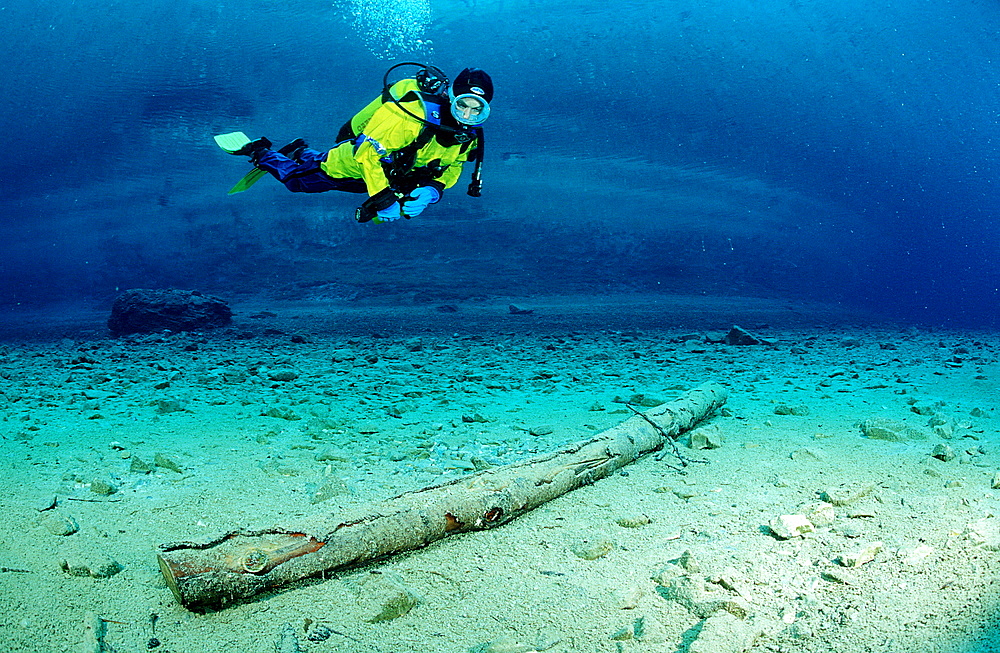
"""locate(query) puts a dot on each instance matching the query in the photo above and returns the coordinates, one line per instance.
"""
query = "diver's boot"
(294, 149)
(253, 149)
(287, 150)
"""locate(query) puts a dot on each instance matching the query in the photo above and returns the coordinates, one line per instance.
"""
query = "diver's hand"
(420, 198)
(392, 212)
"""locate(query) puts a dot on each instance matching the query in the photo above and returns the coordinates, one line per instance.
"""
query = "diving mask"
(470, 109)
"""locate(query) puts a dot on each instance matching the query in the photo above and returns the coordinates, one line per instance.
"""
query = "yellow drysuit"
(382, 128)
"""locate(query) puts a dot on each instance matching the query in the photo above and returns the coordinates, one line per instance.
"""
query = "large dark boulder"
(147, 311)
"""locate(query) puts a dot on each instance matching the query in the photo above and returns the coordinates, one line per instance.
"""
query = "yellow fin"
(231, 142)
(248, 180)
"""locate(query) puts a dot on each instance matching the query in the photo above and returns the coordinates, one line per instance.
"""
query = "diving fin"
(249, 179)
(236, 141)
(233, 142)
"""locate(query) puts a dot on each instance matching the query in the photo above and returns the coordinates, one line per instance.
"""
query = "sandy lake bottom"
(112, 447)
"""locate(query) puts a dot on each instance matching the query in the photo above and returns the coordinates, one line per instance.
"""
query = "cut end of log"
(169, 575)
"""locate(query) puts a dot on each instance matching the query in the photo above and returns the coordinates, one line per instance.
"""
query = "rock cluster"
(149, 311)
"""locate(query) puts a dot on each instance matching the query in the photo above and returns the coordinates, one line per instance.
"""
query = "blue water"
(842, 151)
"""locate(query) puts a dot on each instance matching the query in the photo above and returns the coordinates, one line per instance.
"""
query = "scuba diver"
(403, 149)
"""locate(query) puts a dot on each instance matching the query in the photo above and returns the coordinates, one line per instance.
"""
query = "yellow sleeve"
(454, 171)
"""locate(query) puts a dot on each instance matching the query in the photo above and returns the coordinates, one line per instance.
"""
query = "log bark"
(240, 564)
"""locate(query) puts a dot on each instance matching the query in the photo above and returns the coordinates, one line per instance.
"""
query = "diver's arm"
(454, 171)
(450, 176)
(387, 131)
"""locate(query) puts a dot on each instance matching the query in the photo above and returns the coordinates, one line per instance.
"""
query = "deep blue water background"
(841, 150)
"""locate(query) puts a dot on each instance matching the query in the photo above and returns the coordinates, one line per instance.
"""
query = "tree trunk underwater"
(239, 565)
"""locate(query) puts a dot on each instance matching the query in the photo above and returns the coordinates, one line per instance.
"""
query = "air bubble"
(390, 28)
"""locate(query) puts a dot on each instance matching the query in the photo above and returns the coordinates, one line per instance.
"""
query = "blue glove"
(392, 212)
(422, 197)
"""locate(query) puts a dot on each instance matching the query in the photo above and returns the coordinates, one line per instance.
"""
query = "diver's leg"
(298, 177)
(346, 184)
(304, 175)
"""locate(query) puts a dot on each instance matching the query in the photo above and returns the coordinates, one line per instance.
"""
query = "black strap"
(380, 200)
(398, 164)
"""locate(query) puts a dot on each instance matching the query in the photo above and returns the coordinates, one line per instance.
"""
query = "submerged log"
(240, 564)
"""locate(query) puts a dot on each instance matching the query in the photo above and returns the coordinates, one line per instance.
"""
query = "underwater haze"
(842, 151)
(711, 366)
